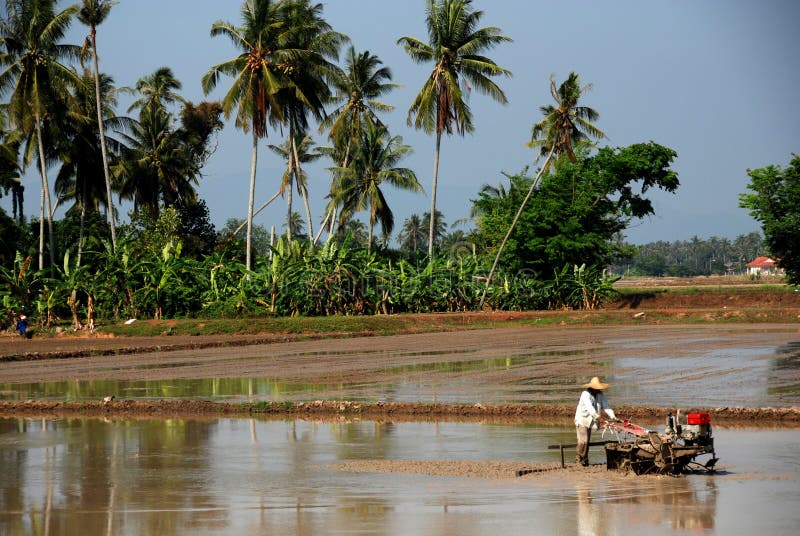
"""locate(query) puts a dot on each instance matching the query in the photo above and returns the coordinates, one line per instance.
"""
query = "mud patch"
(541, 472)
(453, 468)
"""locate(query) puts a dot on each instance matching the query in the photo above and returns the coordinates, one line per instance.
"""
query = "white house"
(764, 266)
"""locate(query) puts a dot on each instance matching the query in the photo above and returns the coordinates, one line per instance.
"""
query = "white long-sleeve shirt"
(589, 406)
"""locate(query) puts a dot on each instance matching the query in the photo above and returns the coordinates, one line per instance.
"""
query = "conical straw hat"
(596, 384)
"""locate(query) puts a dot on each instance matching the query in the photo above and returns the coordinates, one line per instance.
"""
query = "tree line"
(540, 238)
(693, 257)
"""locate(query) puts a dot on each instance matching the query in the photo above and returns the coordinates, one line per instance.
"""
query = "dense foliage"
(685, 258)
(148, 276)
(775, 202)
(168, 260)
(578, 209)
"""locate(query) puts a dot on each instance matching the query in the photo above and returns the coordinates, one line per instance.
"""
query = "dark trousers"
(582, 449)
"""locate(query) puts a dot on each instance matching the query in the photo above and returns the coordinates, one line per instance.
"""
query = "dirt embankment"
(762, 300)
(378, 411)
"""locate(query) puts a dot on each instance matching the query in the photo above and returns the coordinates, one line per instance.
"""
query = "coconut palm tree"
(556, 134)
(156, 90)
(259, 72)
(81, 176)
(279, 74)
(156, 166)
(92, 13)
(413, 233)
(309, 70)
(10, 173)
(294, 224)
(31, 56)
(566, 124)
(356, 229)
(303, 151)
(357, 89)
(455, 47)
(439, 225)
(375, 159)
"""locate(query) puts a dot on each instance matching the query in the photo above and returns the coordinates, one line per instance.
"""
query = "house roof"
(761, 262)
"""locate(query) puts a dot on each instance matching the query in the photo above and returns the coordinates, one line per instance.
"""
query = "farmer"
(587, 415)
(22, 325)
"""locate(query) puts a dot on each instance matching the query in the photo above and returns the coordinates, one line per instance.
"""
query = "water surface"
(693, 373)
(238, 476)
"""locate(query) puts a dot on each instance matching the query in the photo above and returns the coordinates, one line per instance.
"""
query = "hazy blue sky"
(716, 80)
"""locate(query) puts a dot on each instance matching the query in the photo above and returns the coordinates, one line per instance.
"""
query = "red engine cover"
(698, 418)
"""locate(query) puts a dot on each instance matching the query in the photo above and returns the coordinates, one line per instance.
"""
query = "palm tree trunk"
(302, 189)
(251, 200)
(41, 229)
(271, 242)
(256, 213)
(335, 215)
(334, 219)
(17, 201)
(369, 238)
(433, 192)
(110, 201)
(511, 228)
(80, 233)
(46, 189)
(304, 195)
(322, 226)
(73, 296)
(289, 196)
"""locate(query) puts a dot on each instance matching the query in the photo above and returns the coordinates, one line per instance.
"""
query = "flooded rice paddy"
(240, 476)
(247, 476)
(654, 369)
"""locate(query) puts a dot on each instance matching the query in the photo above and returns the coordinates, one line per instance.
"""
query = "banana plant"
(20, 285)
(593, 286)
(229, 283)
(71, 281)
(46, 302)
(285, 257)
(119, 274)
(159, 274)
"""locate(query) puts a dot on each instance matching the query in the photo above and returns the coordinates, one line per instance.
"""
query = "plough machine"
(685, 438)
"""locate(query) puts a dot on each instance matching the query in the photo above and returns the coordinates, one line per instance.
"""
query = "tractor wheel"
(624, 466)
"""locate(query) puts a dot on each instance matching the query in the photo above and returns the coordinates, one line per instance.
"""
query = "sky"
(715, 80)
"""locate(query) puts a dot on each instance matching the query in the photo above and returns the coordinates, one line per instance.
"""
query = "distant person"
(22, 325)
(587, 416)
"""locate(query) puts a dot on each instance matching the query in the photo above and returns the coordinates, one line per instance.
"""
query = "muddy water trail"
(240, 476)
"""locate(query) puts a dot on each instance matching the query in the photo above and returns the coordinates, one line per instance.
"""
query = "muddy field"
(522, 373)
(426, 433)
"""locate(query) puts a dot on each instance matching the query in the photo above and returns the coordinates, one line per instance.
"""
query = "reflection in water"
(716, 377)
(684, 377)
(215, 388)
(677, 503)
(227, 388)
(588, 514)
(89, 466)
(658, 502)
(437, 381)
(76, 477)
(785, 372)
